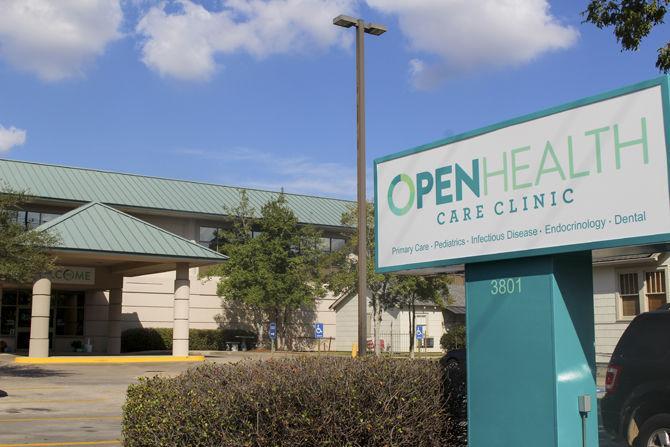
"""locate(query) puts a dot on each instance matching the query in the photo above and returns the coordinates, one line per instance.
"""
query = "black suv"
(636, 406)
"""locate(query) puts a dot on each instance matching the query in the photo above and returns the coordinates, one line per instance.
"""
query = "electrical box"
(584, 403)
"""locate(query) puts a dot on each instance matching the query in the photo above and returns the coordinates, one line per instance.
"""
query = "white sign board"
(73, 275)
(593, 174)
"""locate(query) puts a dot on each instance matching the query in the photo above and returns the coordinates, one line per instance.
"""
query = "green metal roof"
(96, 227)
(129, 190)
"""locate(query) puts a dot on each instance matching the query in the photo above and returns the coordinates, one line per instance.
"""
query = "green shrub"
(454, 338)
(146, 339)
(160, 339)
(305, 401)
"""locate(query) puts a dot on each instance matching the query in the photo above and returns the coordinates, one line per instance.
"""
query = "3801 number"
(505, 286)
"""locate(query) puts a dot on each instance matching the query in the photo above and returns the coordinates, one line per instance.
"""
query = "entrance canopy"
(98, 235)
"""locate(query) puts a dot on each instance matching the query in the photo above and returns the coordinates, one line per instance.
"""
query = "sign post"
(318, 333)
(521, 205)
(420, 333)
(273, 335)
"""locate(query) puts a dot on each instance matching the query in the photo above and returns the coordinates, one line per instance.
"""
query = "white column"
(114, 320)
(182, 295)
(39, 322)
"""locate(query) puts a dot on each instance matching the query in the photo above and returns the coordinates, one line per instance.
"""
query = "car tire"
(657, 425)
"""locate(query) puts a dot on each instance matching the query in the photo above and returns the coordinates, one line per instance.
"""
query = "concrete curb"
(108, 359)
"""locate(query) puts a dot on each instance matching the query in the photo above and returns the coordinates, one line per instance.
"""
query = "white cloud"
(470, 34)
(56, 39)
(11, 137)
(185, 43)
(303, 175)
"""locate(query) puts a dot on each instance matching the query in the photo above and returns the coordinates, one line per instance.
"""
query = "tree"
(237, 286)
(632, 20)
(454, 338)
(424, 289)
(23, 253)
(342, 272)
(275, 273)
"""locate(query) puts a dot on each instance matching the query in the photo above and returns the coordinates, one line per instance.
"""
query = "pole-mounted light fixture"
(375, 30)
(370, 28)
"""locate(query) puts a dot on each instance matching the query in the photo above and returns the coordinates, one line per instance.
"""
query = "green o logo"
(412, 192)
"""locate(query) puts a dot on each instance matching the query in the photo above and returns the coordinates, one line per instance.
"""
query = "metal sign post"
(273, 335)
(318, 333)
(420, 333)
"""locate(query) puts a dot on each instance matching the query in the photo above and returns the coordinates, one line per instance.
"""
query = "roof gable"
(96, 227)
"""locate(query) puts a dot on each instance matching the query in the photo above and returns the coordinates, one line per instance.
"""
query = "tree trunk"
(288, 344)
(259, 333)
(278, 326)
(375, 328)
(378, 324)
(260, 328)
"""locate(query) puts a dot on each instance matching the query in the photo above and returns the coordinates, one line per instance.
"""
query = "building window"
(642, 291)
(46, 217)
(336, 244)
(208, 237)
(69, 313)
(330, 244)
(324, 244)
(629, 291)
(33, 219)
(8, 313)
(655, 289)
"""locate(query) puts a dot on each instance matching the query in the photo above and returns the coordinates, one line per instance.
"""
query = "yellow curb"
(59, 419)
(109, 359)
(10, 401)
(50, 444)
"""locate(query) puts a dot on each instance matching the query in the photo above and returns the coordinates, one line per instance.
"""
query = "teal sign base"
(531, 353)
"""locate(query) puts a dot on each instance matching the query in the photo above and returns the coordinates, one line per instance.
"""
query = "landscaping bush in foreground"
(160, 339)
(303, 401)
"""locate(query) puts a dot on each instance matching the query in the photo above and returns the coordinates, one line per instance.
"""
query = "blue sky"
(261, 93)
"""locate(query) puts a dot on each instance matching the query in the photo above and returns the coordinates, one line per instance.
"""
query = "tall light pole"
(375, 30)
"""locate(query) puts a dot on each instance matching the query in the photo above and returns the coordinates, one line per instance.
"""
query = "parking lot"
(72, 405)
(67, 404)
(78, 405)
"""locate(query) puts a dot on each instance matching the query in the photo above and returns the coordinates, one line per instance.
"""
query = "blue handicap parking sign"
(420, 331)
(318, 330)
(273, 330)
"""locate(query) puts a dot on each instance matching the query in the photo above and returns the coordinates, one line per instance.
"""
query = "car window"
(648, 336)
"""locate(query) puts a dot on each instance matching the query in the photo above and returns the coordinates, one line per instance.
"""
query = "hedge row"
(303, 401)
(160, 339)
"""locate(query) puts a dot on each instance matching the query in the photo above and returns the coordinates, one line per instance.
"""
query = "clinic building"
(129, 256)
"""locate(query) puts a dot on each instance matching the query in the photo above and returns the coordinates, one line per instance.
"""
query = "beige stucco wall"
(347, 325)
(148, 300)
(394, 328)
